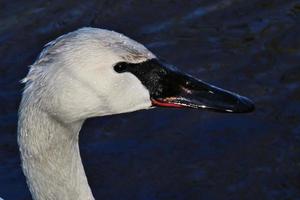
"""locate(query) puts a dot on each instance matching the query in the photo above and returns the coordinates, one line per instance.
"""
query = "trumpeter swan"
(94, 72)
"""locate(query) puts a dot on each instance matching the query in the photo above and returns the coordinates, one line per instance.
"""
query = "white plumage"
(73, 79)
(81, 75)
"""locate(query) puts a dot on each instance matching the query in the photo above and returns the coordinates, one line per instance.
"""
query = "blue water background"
(250, 47)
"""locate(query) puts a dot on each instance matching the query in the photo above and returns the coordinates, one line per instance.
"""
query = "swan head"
(95, 72)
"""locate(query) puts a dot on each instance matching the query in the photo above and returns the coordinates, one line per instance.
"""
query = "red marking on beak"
(165, 104)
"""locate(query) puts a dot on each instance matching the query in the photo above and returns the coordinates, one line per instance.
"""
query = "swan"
(94, 72)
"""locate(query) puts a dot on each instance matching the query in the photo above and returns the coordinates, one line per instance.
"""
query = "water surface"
(250, 47)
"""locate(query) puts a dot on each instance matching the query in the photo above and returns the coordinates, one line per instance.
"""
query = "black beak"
(170, 88)
(181, 90)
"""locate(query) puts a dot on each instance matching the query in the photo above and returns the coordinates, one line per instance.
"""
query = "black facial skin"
(153, 76)
(172, 88)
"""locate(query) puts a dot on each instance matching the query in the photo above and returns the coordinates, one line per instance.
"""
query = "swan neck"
(50, 156)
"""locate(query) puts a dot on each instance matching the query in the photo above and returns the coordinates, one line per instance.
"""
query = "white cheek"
(77, 102)
(105, 92)
(99, 91)
(128, 94)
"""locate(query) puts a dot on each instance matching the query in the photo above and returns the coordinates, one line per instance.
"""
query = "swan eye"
(120, 67)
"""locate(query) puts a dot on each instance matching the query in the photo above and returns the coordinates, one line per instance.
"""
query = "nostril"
(245, 105)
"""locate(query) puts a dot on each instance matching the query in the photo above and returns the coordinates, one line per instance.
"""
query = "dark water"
(250, 47)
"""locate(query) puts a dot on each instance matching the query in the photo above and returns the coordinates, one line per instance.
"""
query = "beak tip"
(245, 105)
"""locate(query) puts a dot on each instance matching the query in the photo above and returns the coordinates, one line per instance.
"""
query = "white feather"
(73, 79)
